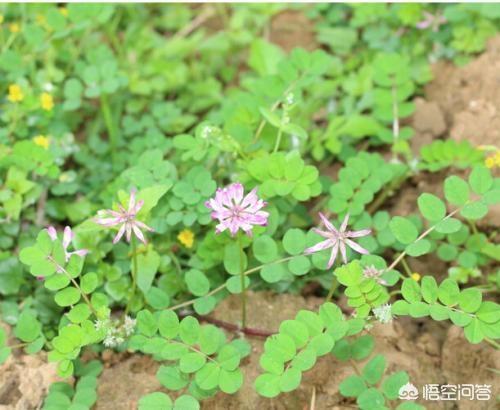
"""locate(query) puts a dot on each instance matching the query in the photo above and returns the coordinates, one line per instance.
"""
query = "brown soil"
(291, 29)
(469, 97)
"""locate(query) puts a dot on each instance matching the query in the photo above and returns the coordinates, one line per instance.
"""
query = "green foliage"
(445, 154)
(465, 308)
(285, 174)
(297, 345)
(82, 396)
(198, 356)
(359, 180)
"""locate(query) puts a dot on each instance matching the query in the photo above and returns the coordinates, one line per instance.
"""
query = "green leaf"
(233, 284)
(232, 259)
(146, 323)
(168, 324)
(393, 383)
(362, 347)
(186, 402)
(155, 401)
(171, 377)
(197, 283)
(290, 380)
(470, 300)
(411, 290)
(230, 381)
(268, 385)
(265, 249)
(264, 57)
(448, 225)
(473, 332)
(418, 248)
(281, 346)
(429, 289)
(312, 321)
(448, 292)
(474, 210)
(189, 330)
(147, 266)
(371, 399)
(374, 369)
(211, 339)
(296, 330)
(456, 190)
(273, 273)
(28, 327)
(79, 313)
(208, 376)
(152, 195)
(352, 386)
(489, 312)
(294, 241)
(403, 229)
(228, 358)
(88, 282)
(480, 179)
(431, 207)
(157, 298)
(67, 297)
(271, 364)
(191, 362)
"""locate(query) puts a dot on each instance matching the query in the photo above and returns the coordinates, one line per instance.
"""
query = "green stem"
(406, 267)
(492, 342)
(242, 282)
(278, 140)
(75, 284)
(223, 286)
(108, 120)
(332, 289)
(133, 272)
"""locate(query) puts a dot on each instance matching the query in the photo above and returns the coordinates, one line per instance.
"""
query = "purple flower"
(234, 211)
(68, 236)
(126, 218)
(337, 239)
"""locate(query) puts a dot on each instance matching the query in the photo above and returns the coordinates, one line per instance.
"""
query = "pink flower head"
(236, 212)
(432, 21)
(68, 236)
(337, 239)
(126, 218)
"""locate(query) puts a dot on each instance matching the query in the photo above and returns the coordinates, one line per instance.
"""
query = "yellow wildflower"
(186, 237)
(415, 276)
(1, 18)
(63, 11)
(42, 141)
(14, 28)
(15, 93)
(490, 162)
(47, 101)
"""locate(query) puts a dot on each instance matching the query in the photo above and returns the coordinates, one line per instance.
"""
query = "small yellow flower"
(415, 276)
(1, 18)
(14, 28)
(15, 93)
(186, 237)
(490, 162)
(47, 101)
(63, 11)
(42, 141)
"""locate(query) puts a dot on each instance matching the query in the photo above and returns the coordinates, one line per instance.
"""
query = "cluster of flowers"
(234, 211)
(115, 331)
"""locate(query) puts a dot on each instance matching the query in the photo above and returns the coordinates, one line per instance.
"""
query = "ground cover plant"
(156, 160)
